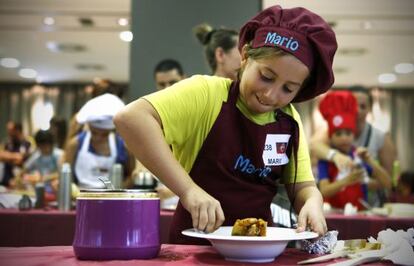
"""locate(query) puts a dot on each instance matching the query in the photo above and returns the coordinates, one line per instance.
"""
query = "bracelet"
(330, 154)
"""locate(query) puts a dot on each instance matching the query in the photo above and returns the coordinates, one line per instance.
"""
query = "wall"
(163, 29)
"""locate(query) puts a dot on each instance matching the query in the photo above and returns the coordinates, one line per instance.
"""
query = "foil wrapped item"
(322, 245)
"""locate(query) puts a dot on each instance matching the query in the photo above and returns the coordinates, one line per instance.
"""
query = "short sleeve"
(304, 171)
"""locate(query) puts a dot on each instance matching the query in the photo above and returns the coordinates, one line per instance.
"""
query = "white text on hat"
(277, 39)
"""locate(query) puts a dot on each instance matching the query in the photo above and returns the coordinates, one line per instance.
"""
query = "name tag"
(274, 152)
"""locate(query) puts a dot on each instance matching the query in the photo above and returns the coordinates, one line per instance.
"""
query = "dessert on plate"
(249, 227)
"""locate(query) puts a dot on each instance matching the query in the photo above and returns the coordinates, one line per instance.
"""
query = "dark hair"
(364, 90)
(407, 177)
(214, 38)
(17, 126)
(167, 65)
(44, 137)
(103, 86)
(61, 132)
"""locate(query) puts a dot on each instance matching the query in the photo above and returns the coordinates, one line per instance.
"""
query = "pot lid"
(118, 193)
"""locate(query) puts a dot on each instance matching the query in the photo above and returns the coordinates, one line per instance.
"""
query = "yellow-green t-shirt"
(189, 108)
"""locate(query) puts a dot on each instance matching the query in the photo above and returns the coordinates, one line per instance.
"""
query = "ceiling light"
(404, 68)
(387, 78)
(27, 73)
(9, 62)
(123, 22)
(48, 21)
(126, 36)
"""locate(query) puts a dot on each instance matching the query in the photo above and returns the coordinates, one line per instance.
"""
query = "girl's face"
(45, 148)
(271, 83)
(342, 140)
(403, 189)
(99, 135)
(231, 63)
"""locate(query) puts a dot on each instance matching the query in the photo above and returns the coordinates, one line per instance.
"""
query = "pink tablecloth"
(55, 228)
(169, 255)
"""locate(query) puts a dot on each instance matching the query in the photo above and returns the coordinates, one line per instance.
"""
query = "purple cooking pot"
(117, 224)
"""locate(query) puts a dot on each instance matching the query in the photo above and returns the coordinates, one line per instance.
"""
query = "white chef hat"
(100, 111)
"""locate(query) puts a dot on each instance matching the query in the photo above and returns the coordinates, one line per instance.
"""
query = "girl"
(227, 137)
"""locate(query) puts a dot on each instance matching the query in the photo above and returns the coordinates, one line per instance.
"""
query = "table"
(50, 227)
(55, 228)
(364, 226)
(169, 255)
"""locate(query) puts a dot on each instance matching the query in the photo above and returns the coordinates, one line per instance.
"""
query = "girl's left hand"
(311, 216)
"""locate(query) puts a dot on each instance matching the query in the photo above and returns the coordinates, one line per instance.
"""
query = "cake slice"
(249, 227)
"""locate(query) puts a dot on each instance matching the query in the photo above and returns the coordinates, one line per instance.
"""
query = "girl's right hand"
(206, 211)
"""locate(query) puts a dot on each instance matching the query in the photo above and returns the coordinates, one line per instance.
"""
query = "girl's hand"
(311, 216)
(206, 211)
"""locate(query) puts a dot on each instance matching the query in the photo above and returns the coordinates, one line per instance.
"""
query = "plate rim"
(305, 235)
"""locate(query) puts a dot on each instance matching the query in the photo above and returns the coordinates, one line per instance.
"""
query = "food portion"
(249, 227)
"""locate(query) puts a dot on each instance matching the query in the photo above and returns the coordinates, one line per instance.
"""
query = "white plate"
(251, 248)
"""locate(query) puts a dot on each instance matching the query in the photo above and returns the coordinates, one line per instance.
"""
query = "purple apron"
(230, 167)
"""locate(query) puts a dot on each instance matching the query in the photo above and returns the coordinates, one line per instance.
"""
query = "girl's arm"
(141, 128)
(130, 166)
(319, 148)
(308, 202)
(70, 151)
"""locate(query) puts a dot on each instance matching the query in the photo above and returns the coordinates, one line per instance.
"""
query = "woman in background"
(220, 48)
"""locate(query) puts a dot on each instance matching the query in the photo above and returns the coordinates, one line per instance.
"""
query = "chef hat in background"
(99, 111)
(301, 33)
(339, 109)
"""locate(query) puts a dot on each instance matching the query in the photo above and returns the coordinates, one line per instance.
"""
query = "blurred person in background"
(404, 192)
(93, 152)
(167, 72)
(338, 187)
(220, 49)
(42, 165)
(379, 144)
(16, 150)
(59, 130)
(99, 87)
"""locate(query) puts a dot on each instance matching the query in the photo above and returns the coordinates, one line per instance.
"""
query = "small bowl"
(251, 248)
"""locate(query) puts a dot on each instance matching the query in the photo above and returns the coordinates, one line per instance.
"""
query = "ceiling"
(95, 51)
(373, 37)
